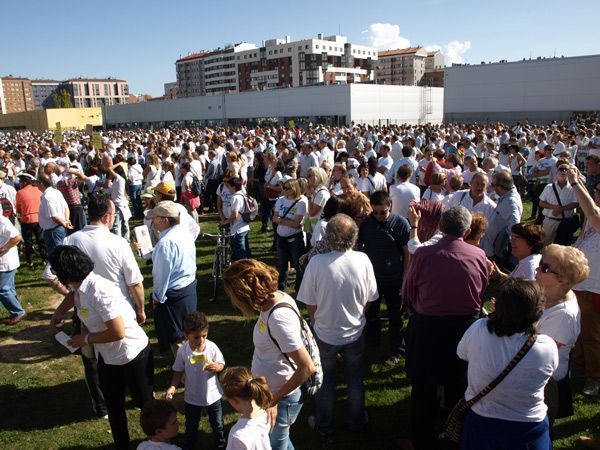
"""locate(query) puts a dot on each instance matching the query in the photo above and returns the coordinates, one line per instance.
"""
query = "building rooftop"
(44, 80)
(10, 77)
(400, 51)
(192, 56)
(108, 79)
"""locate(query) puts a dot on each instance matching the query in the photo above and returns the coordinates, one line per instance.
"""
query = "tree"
(62, 99)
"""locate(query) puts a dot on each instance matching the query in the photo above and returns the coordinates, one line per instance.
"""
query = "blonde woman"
(317, 194)
(152, 172)
(252, 287)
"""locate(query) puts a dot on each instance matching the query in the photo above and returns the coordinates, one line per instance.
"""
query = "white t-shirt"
(437, 196)
(520, 396)
(149, 445)
(52, 204)
(526, 267)
(97, 302)
(339, 284)
(320, 197)
(299, 209)
(249, 434)
(202, 388)
(375, 183)
(402, 194)
(562, 323)
(566, 195)
(385, 161)
(485, 206)
(9, 261)
(267, 360)
(225, 195)
(237, 205)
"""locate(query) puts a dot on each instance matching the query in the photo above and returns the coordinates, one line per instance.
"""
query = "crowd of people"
(428, 219)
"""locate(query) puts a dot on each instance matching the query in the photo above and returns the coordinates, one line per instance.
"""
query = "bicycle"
(221, 260)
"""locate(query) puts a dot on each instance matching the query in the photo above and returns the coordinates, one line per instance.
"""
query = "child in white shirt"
(159, 421)
(201, 361)
(250, 397)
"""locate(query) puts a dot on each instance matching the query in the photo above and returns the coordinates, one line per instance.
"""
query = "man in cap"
(174, 274)
(165, 191)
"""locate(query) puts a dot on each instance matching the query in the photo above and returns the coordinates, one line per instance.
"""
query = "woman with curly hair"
(279, 353)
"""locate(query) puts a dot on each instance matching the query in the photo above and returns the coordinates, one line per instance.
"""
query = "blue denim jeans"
(193, 413)
(135, 191)
(8, 294)
(353, 357)
(121, 226)
(240, 247)
(54, 237)
(288, 409)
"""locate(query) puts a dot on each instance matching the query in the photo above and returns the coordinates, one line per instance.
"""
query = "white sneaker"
(591, 388)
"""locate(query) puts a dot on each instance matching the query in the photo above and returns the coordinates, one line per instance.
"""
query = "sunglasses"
(545, 268)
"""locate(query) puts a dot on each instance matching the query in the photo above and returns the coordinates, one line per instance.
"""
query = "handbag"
(270, 192)
(456, 419)
(568, 225)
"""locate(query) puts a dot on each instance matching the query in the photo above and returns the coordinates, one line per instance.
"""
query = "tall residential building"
(93, 92)
(16, 95)
(278, 63)
(325, 60)
(42, 92)
(209, 73)
(404, 66)
(171, 90)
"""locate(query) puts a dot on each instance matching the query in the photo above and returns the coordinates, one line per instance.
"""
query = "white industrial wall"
(372, 104)
(547, 89)
(384, 104)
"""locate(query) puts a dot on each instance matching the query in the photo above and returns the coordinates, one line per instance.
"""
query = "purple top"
(446, 279)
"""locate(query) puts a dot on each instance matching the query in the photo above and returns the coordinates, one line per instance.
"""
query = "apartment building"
(324, 60)
(42, 92)
(93, 92)
(16, 95)
(404, 66)
(171, 90)
(209, 73)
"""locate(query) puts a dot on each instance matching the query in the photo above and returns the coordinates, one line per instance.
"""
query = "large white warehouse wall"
(383, 104)
(538, 90)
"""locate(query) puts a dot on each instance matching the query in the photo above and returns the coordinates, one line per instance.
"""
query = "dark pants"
(536, 211)
(193, 413)
(92, 381)
(431, 360)
(211, 194)
(29, 232)
(136, 376)
(390, 290)
(77, 217)
(290, 249)
(169, 316)
(266, 210)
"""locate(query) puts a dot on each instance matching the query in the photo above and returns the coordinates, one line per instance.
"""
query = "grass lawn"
(44, 402)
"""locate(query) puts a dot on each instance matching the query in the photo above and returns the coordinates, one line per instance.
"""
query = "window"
(317, 46)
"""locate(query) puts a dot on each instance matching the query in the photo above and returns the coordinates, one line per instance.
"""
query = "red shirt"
(448, 278)
(28, 203)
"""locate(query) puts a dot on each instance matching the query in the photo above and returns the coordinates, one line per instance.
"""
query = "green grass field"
(44, 402)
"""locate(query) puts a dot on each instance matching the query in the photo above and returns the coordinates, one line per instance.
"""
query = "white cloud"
(453, 52)
(385, 36)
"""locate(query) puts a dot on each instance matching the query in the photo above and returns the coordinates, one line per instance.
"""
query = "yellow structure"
(46, 119)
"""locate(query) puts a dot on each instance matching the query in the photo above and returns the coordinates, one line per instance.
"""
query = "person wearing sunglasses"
(560, 269)
(587, 349)
(558, 201)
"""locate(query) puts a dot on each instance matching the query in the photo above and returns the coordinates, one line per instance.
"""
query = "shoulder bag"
(568, 225)
(456, 419)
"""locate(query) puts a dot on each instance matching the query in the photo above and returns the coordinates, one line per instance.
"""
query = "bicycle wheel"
(216, 273)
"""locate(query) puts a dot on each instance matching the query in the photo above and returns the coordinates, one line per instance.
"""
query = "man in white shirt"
(475, 199)
(54, 214)
(9, 262)
(385, 162)
(308, 158)
(337, 288)
(403, 193)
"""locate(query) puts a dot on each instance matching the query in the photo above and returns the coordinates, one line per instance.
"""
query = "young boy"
(201, 361)
(159, 422)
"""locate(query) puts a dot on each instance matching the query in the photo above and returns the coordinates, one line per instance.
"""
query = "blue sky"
(139, 41)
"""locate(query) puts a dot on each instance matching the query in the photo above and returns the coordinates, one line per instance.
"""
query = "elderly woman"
(587, 350)
(513, 414)
(279, 353)
(289, 215)
(436, 190)
(559, 270)
(477, 229)
(527, 242)
(109, 322)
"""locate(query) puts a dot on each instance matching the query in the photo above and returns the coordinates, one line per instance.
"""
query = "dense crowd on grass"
(426, 218)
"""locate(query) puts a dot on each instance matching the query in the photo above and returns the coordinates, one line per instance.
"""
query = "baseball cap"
(165, 208)
(165, 188)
